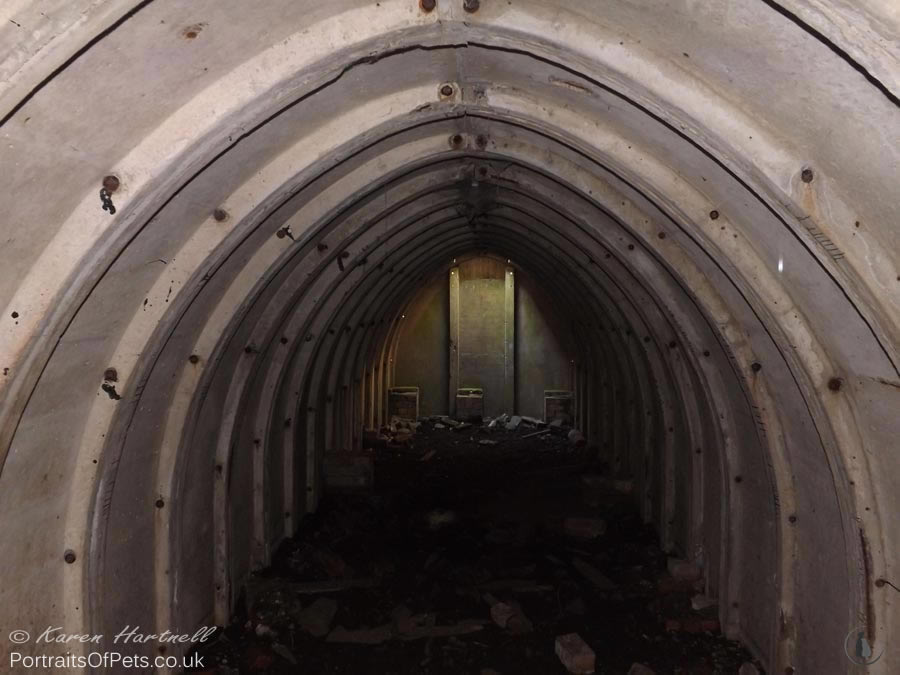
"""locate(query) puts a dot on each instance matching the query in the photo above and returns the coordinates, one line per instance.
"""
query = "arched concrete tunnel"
(216, 216)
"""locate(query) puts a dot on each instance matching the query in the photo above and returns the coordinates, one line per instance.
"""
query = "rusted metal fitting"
(111, 183)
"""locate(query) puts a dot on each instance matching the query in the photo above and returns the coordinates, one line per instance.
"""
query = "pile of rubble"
(400, 432)
(500, 560)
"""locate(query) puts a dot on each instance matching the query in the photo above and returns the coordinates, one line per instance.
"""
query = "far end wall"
(422, 356)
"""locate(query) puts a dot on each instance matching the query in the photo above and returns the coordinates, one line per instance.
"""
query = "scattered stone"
(584, 528)
(557, 423)
(262, 630)
(510, 617)
(575, 654)
(513, 423)
(316, 619)
(683, 570)
(592, 574)
(438, 425)
(701, 602)
(284, 653)
(640, 669)
(488, 442)
(440, 518)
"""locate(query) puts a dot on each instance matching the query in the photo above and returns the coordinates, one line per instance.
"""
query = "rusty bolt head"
(220, 215)
(792, 518)
(738, 479)
(456, 140)
(756, 366)
(880, 583)
(705, 352)
(160, 503)
(110, 375)
(284, 340)
(193, 358)
(630, 247)
(447, 90)
(662, 235)
(835, 383)
(481, 141)
(713, 214)
(111, 183)
(69, 556)
(427, 5)
(471, 5)
(807, 175)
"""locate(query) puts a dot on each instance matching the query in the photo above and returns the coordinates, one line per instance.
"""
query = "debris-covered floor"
(474, 557)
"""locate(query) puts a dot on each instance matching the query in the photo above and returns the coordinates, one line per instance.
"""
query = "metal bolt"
(835, 383)
(738, 479)
(447, 90)
(160, 503)
(427, 5)
(807, 175)
(69, 556)
(220, 215)
(756, 367)
(713, 214)
(110, 375)
(193, 358)
(792, 518)
(456, 140)
(471, 5)
(481, 141)
(111, 183)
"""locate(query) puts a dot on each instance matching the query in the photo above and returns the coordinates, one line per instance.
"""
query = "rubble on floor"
(472, 558)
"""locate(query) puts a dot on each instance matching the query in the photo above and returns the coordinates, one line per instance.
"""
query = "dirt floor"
(461, 560)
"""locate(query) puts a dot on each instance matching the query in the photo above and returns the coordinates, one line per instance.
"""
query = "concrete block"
(575, 654)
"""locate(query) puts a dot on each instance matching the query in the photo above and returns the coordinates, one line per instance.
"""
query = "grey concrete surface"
(707, 190)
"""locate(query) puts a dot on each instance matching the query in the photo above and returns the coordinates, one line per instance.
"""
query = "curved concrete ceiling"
(216, 213)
